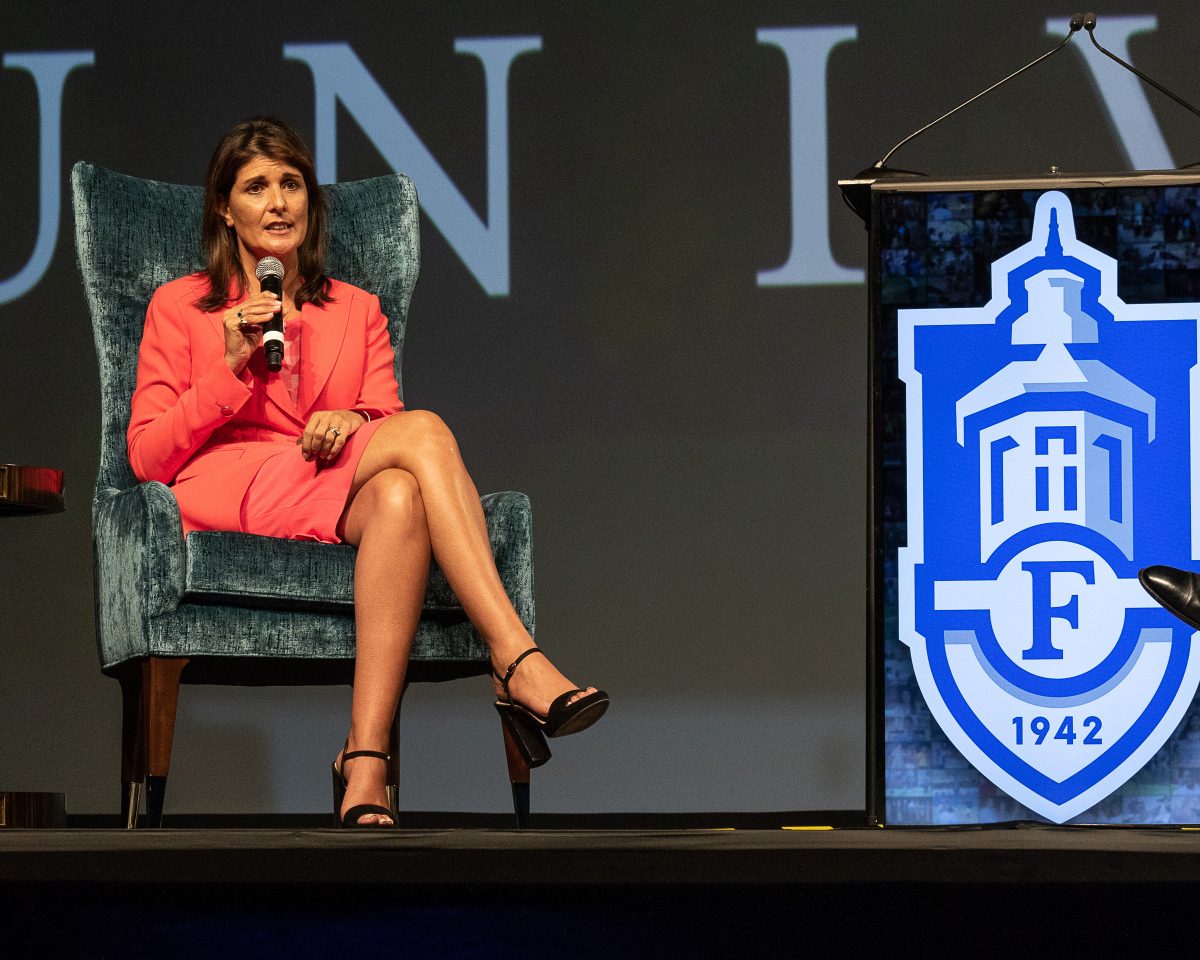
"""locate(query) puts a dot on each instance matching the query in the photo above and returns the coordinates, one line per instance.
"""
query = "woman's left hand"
(326, 433)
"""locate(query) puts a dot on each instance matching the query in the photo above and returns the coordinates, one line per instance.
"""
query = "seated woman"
(323, 449)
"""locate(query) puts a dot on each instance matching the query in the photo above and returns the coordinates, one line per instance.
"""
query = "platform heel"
(571, 712)
(525, 733)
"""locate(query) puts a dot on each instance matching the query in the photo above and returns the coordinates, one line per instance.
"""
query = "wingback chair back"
(227, 607)
(134, 235)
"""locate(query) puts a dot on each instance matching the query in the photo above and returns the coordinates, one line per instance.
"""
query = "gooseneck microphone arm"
(1077, 23)
(1089, 24)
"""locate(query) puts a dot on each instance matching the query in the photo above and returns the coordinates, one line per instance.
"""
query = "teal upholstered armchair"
(232, 608)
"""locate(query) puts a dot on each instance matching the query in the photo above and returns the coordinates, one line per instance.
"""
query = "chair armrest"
(138, 565)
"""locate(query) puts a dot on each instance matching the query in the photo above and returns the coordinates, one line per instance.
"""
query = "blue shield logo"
(1051, 453)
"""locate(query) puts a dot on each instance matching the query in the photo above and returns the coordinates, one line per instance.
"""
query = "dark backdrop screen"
(641, 302)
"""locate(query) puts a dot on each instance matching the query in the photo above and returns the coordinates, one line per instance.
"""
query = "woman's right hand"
(243, 327)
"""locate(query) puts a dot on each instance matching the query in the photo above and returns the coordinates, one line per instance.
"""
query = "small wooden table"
(25, 491)
(22, 811)
(29, 490)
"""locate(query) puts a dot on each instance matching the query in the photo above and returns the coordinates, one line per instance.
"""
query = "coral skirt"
(300, 499)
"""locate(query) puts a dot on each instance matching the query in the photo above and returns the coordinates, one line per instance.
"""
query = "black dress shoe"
(1177, 590)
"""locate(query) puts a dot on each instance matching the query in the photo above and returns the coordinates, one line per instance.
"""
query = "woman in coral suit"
(323, 449)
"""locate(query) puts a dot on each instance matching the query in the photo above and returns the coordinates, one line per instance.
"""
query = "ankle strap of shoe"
(365, 753)
(512, 667)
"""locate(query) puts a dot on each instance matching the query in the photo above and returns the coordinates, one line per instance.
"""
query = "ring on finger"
(335, 431)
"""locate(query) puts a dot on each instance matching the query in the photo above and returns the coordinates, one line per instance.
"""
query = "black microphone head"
(1076, 22)
(1089, 21)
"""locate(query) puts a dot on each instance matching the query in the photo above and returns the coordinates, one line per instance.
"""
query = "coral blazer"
(192, 419)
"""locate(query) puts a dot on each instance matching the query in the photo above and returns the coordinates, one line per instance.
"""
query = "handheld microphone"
(270, 277)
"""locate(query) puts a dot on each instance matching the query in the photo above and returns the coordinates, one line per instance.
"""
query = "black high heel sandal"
(361, 809)
(564, 717)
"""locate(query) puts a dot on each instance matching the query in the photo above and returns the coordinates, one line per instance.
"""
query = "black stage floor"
(481, 858)
(1019, 890)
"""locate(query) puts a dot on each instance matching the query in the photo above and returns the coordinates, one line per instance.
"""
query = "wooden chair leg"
(160, 693)
(518, 775)
(133, 743)
(393, 774)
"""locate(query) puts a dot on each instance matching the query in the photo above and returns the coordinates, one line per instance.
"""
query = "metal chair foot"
(132, 803)
(520, 793)
(156, 789)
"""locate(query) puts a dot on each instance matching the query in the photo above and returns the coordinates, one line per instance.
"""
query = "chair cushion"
(244, 569)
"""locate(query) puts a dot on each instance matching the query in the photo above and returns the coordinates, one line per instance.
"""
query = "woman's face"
(268, 209)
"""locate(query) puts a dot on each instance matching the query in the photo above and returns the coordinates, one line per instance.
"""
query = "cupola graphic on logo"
(1050, 454)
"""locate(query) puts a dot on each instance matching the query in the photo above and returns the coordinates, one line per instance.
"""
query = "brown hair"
(274, 139)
